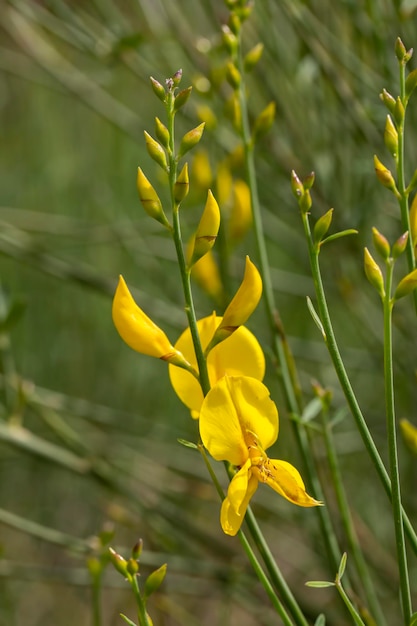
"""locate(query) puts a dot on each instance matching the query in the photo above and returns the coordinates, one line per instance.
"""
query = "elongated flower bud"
(162, 132)
(391, 136)
(242, 306)
(406, 285)
(150, 199)
(409, 433)
(253, 56)
(381, 244)
(156, 151)
(264, 121)
(139, 331)
(373, 273)
(190, 139)
(322, 226)
(207, 230)
(385, 176)
(182, 185)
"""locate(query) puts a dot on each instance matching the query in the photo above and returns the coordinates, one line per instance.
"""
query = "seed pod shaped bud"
(413, 223)
(241, 307)
(119, 563)
(182, 185)
(264, 121)
(322, 226)
(384, 175)
(191, 139)
(296, 185)
(400, 245)
(207, 230)
(381, 243)
(162, 132)
(400, 50)
(155, 580)
(399, 111)
(253, 57)
(406, 285)
(181, 98)
(158, 89)
(233, 75)
(230, 40)
(373, 273)
(150, 199)
(155, 151)
(388, 100)
(137, 549)
(391, 136)
(410, 83)
(308, 181)
(409, 433)
(132, 567)
(139, 331)
(241, 212)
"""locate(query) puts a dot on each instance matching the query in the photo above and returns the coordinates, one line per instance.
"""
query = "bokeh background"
(89, 429)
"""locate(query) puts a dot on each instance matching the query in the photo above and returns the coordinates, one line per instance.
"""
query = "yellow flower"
(240, 354)
(238, 422)
(206, 273)
(139, 331)
(207, 229)
(409, 433)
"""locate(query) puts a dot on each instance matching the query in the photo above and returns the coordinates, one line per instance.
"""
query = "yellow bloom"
(240, 354)
(238, 422)
(139, 331)
(206, 273)
(207, 229)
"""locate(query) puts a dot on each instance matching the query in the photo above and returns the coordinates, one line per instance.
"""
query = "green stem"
(348, 525)
(355, 615)
(289, 378)
(142, 614)
(344, 381)
(96, 598)
(392, 447)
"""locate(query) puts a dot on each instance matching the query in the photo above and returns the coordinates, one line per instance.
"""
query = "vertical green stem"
(392, 447)
(353, 612)
(344, 381)
(142, 614)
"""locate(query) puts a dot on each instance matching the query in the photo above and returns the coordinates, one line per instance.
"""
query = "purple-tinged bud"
(296, 185)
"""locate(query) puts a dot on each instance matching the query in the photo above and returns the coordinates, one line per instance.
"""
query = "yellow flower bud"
(409, 433)
(253, 56)
(156, 151)
(190, 139)
(413, 223)
(139, 331)
(384, 176)
(322, 226)
(381, 243)
(182, 185)
(242, 306)
(233, 75)
(150, 199)
(241, 212)
(207, 230)
(406, 285)
(373, 273)
(391, 136)
(264, 121)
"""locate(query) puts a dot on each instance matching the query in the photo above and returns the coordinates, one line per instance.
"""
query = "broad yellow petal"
(245, 300)
(136, 328)
(285, 479)
(240, 354)
(233, 411)
(234, 506)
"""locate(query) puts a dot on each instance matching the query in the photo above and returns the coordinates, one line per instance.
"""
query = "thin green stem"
(344, 381)
(392, 447)
(348, 525)
(355, 615)
(142, 614)
(96, 599)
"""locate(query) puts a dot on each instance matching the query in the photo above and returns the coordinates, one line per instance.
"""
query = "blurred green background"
(89, 429)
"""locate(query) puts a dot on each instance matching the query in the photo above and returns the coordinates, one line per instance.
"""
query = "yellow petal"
(234, 408)
(206, 273)
(285, 480)
(241, 490)
(409, 433)
(241, 212)
(136, 328)
(240, 354)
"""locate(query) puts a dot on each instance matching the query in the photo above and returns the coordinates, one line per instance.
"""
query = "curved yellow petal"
(240, 354)
(233, 410)
(136, 328)
(241, 490)
(285, 479)
(245, 300)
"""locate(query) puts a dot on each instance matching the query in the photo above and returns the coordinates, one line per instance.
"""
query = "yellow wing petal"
(285, 479)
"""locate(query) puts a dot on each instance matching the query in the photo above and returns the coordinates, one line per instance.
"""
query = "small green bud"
(373, 273)
(399, 111)
(253, 57)
(154, 580)
(308, 181)
(162, 132)
(230, 40)
(406, 285)
(207, 229)
(233, 75)
(119, 563)
(176, 79)
(264, 121)
(381, 244)
(305, 202)
(400, 50)
(181, 98)
(400, 245)
(391, 136)
(191, 139)
(296, 185)
(388, 100)
(158, 89)
(137, 549)
(132, 567)
(384, 176)
(182, 185)
(156, 151)
(150, 199)
(410, 83)
(322, 226)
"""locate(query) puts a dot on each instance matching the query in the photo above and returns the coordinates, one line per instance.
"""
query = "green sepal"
(321, 620)
(162, 132)
(319, 584)
(342, 566)
(316, 318)
(188, 444)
